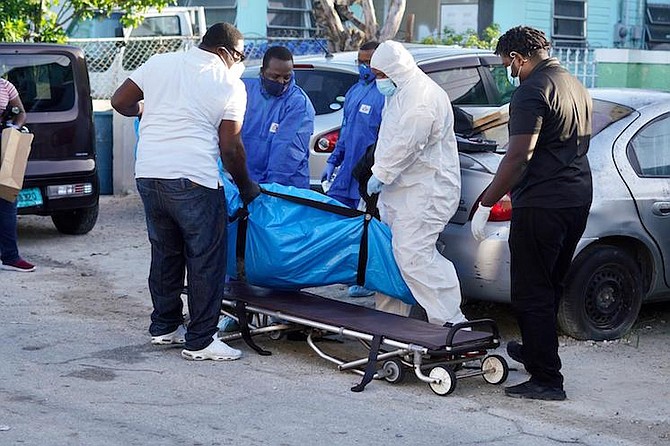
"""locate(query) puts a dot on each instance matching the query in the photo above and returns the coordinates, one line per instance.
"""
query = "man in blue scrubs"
(278, 123)
(363, 106)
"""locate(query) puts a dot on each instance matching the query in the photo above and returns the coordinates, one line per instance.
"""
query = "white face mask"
(386, 86)
(514, 80)
(236, 70)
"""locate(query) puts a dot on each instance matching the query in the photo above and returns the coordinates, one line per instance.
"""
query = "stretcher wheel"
(275, 335)
(494, 369)
(394, 371)
(446, 383)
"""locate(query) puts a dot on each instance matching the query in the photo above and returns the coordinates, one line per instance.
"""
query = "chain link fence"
(110, 61)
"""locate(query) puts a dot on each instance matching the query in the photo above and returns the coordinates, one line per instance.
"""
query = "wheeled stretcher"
(439, 356)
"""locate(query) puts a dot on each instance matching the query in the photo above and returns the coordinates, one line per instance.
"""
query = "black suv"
(61, 178)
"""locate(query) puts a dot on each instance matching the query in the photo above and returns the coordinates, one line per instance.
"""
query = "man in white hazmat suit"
(417, 175)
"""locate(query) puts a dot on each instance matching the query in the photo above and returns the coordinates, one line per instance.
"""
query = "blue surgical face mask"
(274, 88)
(386, 86)
(365, 72)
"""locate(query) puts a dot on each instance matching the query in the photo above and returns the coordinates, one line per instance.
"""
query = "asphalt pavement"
(78, 369)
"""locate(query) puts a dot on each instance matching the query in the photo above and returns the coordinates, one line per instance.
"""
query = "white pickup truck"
(113, 51)
(169, 21)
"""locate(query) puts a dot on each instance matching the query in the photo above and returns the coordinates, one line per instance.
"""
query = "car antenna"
(329, 55)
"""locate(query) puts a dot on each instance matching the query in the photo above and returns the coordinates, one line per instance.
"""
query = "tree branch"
(393, 19)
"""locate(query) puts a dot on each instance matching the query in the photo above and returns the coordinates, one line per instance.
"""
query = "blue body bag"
(296, 238)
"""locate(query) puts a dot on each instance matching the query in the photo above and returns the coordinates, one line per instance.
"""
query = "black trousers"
(542, 243)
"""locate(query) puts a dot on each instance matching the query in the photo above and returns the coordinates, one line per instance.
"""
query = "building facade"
(282, 18)
(632, 24)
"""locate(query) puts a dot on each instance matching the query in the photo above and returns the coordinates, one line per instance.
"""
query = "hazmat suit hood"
(395, 61)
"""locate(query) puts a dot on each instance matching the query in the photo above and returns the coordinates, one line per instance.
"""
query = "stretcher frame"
(257, 311)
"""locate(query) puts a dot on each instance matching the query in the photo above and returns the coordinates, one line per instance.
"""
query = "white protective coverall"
(417, 161)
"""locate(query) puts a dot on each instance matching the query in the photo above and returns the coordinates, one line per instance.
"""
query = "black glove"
(251, 191)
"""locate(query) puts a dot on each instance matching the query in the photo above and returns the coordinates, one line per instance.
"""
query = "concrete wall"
(252, 17)
(426, 17)
(633, 68)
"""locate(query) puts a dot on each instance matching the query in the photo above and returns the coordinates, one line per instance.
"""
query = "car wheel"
(77, 221)
(603, 294)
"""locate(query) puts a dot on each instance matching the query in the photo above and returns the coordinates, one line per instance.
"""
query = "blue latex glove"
(328, 172)
(374, 185)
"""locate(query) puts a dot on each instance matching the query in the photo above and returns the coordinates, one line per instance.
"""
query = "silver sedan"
(623, 258)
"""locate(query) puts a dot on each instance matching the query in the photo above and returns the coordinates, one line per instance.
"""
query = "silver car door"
(643, 158)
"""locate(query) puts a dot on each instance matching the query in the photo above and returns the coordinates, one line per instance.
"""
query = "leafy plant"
(44, 20)
(468, 39)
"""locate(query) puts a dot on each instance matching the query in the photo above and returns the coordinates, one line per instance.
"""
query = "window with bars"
(290, 18)
(569, 21)
(215, 10)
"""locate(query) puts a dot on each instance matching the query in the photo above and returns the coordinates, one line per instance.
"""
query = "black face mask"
(275, 88)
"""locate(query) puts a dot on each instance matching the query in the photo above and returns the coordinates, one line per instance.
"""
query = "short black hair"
(524, 40)
(369, 45)
(276, 52)
(222, 34)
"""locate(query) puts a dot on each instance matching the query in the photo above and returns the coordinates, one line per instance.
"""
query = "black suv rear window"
(45, 82)
(326, 89)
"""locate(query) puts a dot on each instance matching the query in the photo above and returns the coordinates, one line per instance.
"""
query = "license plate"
(29, 197)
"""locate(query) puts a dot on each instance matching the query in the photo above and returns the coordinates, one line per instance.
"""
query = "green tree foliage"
(44, 20)
(468, 39)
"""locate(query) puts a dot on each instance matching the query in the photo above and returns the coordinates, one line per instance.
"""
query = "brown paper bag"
(13, 159)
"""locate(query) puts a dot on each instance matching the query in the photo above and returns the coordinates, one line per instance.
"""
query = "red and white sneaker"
(19, 265)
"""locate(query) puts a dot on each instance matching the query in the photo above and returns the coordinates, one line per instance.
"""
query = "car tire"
(77, 221)
(603, 294)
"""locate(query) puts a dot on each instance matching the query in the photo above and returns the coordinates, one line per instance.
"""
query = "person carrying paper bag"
(15, 148)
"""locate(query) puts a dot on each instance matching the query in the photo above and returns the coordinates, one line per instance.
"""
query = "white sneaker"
(176, 337)
(216, 351)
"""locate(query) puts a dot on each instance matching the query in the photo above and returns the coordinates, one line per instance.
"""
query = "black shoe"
(514, 350)
(535, 391)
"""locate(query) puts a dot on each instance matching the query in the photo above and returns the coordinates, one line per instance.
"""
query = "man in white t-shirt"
(192, 106)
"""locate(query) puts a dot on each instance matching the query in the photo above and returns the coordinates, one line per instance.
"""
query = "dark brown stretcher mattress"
(361, 319)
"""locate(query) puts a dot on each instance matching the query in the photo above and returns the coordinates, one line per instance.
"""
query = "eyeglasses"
(240, 56)
(234, 54)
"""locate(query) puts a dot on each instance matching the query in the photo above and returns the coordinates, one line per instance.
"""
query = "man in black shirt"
(548, 174)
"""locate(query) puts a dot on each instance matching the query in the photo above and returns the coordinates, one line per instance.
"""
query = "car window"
(158, 26)
(326, 89)
(649, 150)
(503, 86)
(96, 27)
(463, 85)
(45, 82)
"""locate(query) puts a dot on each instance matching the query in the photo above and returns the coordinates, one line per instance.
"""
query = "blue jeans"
(186, 223)
(9, 251)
